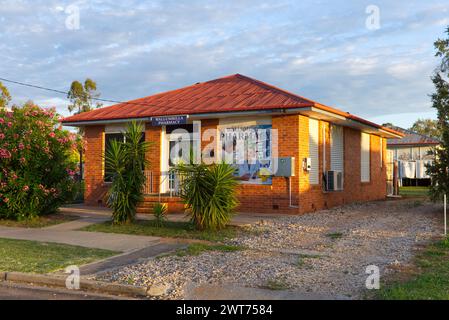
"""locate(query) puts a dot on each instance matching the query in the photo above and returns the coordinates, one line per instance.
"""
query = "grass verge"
(428, 280)
(170, 229)
(38, 222)
(42, 257)
(413, 192)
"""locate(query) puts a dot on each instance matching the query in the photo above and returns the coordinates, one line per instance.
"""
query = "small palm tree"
(126, 161)
(209, 194)
(160, 214)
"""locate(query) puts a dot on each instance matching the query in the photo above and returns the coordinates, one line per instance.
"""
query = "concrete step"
(174, 204)
(141, 210)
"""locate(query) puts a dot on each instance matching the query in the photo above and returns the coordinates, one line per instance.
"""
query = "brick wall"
(153, 135)
(95, 188)
(293, 137)
(314, 198)
(275, 198)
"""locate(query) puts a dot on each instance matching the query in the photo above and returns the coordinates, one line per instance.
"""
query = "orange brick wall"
(95, 189)
(275, 198)
(293, 137)
(153, 135)
(314, 198)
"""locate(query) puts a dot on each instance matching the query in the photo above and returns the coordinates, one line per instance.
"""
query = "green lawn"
(41, 257)
(414, 191)
(169, 230)
(428, 281)
(39, 222)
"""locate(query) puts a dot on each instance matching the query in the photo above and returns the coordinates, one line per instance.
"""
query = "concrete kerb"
(85, 285)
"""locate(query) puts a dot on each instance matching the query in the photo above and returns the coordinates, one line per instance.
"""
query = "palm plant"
(209, 194)
(160, 212)
(126, 161)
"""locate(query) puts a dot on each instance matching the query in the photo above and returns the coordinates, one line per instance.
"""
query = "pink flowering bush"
(36, 170)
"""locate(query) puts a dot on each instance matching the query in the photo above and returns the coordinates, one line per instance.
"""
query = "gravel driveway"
(326, 252)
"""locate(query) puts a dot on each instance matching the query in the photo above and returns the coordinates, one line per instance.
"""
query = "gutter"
(211, 115)
(98, 122)
(191, 116)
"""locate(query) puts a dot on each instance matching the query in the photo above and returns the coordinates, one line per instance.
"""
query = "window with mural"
(249, 150)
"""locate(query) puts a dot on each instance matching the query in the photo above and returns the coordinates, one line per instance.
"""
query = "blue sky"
(319, 49)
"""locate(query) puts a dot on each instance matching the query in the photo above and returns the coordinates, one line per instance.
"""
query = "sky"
(371, 58)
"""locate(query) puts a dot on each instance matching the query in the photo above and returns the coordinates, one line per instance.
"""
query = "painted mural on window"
(249, 150)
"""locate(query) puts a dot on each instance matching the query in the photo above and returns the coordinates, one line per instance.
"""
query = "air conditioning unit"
(334, 181)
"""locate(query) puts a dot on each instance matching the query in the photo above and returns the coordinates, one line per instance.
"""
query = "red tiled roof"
(228, 94)
(233, 93)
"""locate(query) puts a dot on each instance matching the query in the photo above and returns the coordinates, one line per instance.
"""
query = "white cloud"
(319, 50)
(404, 70)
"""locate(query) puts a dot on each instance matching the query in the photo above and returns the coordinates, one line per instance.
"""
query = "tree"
(439, 170)
(82, 96)
(209, 193)
(427, 127)
(36, 172)
(5, 97)
(126, 161)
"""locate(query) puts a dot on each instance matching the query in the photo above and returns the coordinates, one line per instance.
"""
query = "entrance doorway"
(180, 146)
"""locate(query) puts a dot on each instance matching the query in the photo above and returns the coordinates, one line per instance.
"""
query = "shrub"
(160, 214)
(209, 194)
(126, 161)
(36, 174)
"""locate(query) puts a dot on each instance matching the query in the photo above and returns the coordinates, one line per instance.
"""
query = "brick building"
(303, 155)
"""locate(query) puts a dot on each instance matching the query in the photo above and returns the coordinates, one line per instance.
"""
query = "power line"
(66, 93)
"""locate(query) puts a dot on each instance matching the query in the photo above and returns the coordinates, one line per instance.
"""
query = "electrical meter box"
(286, 167)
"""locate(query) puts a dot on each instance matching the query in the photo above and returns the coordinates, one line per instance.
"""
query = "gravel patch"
(300, 253)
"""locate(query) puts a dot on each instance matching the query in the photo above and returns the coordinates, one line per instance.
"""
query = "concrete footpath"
(130, 249)
(66, 233)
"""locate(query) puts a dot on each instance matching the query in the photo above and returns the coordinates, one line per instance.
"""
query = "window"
(337, 145)
(249, 150)
(108, 137)
(182, 144)
(313, 151)
(365, 157)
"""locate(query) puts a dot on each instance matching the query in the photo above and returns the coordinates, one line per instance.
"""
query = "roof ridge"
(270, 87)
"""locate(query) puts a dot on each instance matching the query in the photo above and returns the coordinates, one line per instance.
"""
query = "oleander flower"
(5, 154)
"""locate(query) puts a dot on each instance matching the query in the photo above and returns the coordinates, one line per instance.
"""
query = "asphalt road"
(10, 291)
